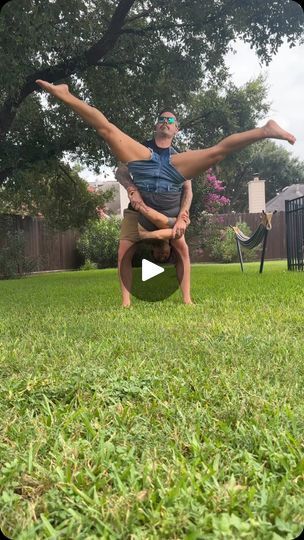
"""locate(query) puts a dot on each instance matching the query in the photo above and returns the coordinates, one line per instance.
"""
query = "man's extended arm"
(123, 177)
(183, 220)
(187, 197)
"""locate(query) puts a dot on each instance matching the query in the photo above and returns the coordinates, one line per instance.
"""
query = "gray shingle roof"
(288, 193)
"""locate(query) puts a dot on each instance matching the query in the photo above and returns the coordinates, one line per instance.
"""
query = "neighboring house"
(287, 194)
(120, 200)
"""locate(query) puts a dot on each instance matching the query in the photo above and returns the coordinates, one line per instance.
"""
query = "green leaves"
(165, 53)
(99, 242)
(54, 190)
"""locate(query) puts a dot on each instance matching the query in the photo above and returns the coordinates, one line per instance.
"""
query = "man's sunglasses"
(168, 119)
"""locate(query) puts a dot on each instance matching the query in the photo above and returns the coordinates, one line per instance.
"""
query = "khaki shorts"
(129, 226)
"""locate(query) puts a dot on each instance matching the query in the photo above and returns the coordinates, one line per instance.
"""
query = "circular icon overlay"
(154, 276)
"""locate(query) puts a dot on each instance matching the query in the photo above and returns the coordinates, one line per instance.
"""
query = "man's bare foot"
(274, 131)
(57, 90)
(126, 304)
(189, 302)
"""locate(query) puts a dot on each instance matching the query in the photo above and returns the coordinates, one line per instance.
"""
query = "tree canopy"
(270, 162)
(129, 58)
(54, 190)
(237, 109)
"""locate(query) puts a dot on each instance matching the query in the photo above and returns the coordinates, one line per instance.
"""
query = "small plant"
(88, 265)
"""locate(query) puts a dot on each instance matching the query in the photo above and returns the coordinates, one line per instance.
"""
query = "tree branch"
(66, 173)
(64, 69)
(154, 28)
(139, 15)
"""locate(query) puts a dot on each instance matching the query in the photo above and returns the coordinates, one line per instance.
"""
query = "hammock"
(259, 235)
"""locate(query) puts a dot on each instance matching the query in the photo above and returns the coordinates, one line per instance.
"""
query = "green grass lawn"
(163, 421)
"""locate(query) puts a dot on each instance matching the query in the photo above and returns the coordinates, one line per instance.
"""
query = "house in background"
(288, 193)
(120, 200)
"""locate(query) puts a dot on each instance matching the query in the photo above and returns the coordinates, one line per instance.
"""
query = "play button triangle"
(150, 270)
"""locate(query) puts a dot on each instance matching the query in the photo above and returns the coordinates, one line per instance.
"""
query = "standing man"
(161, 188)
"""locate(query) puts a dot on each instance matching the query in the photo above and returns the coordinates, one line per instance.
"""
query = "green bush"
(99, 242)
(13, 262)
(221, 245)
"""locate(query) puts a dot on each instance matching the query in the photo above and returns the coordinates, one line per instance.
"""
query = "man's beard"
(165, 134)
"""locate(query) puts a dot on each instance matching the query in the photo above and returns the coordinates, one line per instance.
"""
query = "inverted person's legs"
(123, 147)
(190, 164)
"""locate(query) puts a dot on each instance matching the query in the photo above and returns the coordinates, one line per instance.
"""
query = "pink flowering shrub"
(214, 200)
(213, 236)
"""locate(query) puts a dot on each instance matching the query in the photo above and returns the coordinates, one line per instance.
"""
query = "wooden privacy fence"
(276, 244)
(51, 250)
(57, 250)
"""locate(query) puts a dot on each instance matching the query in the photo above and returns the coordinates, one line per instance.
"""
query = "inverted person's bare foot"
(57, 90)
(274, 131)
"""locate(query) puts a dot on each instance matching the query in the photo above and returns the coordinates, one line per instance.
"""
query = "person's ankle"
(125, 300)
(187, 300)
(265, 131)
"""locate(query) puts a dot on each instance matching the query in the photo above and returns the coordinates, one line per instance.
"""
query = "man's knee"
(182, 250)
(126, 252)
(181, 246)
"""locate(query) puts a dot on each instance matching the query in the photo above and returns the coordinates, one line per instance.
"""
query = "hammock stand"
(259, 235)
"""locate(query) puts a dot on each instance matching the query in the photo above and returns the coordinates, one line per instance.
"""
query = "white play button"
(150, 270)
(143, 287)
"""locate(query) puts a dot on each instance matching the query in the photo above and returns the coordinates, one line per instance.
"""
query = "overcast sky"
(285, 78)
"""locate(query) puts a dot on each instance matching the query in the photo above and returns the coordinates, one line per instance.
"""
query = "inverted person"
(184, 165)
